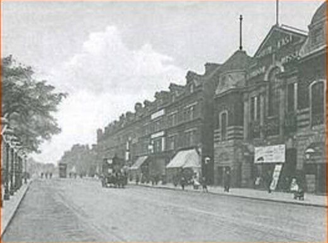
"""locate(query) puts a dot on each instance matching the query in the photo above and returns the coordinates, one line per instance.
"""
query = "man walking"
(226, 182)
(204, 185)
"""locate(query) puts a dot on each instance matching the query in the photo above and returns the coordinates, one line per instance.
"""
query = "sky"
(109, 55)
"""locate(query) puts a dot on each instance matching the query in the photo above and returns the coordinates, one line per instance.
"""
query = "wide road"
(67, 210)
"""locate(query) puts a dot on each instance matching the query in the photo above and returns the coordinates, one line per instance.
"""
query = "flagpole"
(277, 12)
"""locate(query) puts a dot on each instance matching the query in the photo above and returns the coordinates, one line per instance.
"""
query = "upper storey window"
(317, 90)
(274, 96)
(317, 36)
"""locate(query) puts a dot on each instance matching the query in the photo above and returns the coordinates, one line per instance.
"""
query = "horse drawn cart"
(113, 174)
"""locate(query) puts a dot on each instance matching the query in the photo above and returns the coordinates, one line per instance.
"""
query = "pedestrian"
(268, 181)
(183, 182)
(41, 175)
(137, 179)
(50, 175)
(226, 181)
(204, 184)
(296, 189)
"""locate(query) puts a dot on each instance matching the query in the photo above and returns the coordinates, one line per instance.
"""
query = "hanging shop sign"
(270, 154)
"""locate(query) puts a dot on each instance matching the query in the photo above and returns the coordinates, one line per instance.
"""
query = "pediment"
(279, 39)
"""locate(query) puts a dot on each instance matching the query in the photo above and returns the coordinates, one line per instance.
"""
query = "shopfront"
(269, 164)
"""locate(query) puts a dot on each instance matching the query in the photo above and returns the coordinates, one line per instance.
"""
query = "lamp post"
(25, 166)
(206, 163)
(7, 135)
(4, 125)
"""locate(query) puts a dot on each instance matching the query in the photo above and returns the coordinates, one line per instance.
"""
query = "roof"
(185, 159)
(139, 162)
(283, 29)
(320, 13)
(238, 61)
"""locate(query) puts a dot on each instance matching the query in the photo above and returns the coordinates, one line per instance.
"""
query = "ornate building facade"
(281, 126)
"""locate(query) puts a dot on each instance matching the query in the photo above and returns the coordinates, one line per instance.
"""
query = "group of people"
(117, 179)
(46, 175)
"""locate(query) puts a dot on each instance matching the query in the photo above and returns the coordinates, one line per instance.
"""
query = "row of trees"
(29, 105)
(81, 160)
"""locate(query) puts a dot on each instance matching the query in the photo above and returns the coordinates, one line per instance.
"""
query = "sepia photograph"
(163, 121)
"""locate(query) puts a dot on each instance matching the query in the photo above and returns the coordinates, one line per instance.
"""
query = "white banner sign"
(270, 154)
(275, 177)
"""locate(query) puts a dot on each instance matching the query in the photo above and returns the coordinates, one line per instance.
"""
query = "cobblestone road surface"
(82, 211)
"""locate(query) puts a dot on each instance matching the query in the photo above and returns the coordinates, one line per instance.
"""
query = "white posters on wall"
(270, 154)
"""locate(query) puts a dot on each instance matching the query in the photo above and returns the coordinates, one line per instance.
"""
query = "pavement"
(275, 196)
(78, 210)
(10, 207)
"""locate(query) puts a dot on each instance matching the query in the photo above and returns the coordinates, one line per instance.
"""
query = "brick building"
(250, 115)
(311, 117)
(178, 119)
(270, 110)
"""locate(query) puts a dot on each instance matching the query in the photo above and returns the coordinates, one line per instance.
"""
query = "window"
(172, 142)
(291, 97)
(189, 113)
(255, 108)
(190, 137)
(217, 121)
(258, 108)
(317, 103)
(157, 145)
(191, 88)
(157, 125)
(317, 36)
(224, 123)
(273, 93)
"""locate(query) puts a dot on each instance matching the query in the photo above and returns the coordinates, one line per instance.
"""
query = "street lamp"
(206, 163)
(7, 134)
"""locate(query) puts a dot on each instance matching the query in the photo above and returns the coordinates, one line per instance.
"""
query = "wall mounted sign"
(270, 154)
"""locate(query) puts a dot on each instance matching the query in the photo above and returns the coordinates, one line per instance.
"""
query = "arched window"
(224, 124)
(317, 95)
(273, 109)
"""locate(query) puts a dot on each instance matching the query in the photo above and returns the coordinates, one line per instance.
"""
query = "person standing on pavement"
(183, 182)
(227, 180)
(204, 184)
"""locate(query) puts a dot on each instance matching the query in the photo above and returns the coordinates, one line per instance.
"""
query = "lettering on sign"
(158, 114)
(270, 154)
(266, 51)
(279, 44)
(284, 41)
(275, 177)
(257, 72)
(290, 57)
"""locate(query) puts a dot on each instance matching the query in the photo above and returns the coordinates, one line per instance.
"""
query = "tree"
(28, 104)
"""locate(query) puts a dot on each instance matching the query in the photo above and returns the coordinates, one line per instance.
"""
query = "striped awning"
(139, 162)
(185, 159)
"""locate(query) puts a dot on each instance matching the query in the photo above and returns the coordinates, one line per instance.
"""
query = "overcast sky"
(110, 55)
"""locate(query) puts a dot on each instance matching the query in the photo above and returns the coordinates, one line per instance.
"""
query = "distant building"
(178, 119)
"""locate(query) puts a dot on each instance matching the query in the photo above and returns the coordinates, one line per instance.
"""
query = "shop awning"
(185, 159)
(139, 162)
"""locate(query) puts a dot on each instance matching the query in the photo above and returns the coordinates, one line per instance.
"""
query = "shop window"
(273, 109)
(317, 103)
(224, 123)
